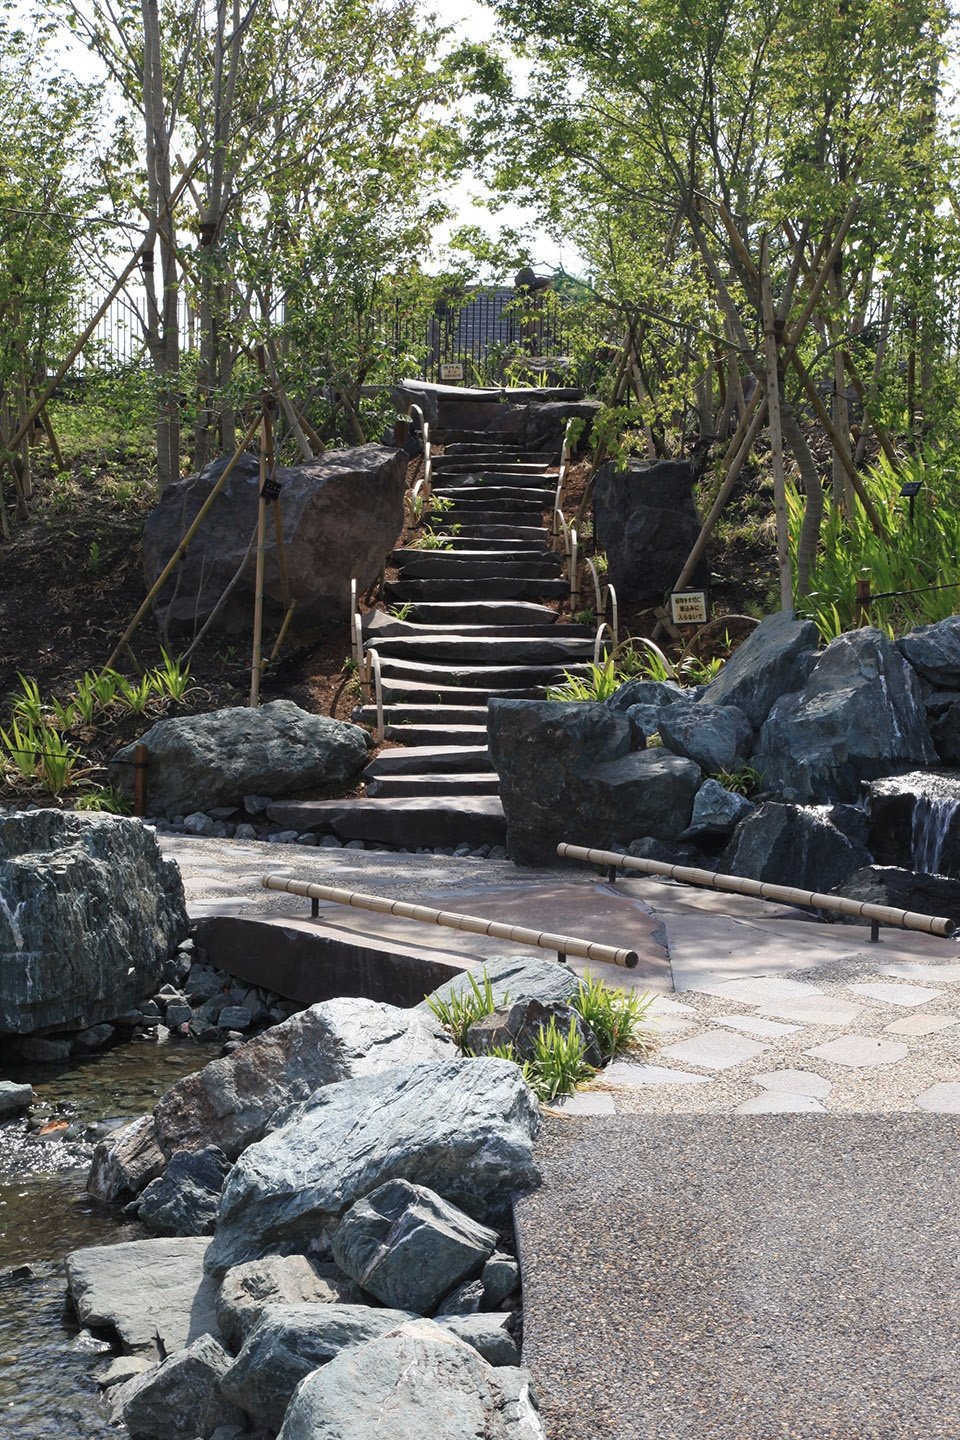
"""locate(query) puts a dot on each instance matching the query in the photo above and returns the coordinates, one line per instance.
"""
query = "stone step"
(437, 734)
(536, 541)
(512, 677)
(456, 484)
(435, 785)
(472, 561)
(486, 649)
(423, 714)
(439, 565)
(504, 467)
(492, 496)
(384, 629)
(476, 450)
(429, 760)
(501, 587)
(506, 513)
(533, 534)
(404, 823)
(404, 691)
(500, 612)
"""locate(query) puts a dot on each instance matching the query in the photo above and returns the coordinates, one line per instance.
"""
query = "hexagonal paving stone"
(896, 994)
(942, 1099)
(714, 1050)
(946, 974)
(795, 1082)
(762, 990)
(859, 1051)
(824, 1011)
(780, 1103)
(920, 1025)
(624, 1073)
(756, 1025)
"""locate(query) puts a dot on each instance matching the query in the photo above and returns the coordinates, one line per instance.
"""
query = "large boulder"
(408, 1247)
(545, 423)
(790, 845)
(126, 1162)
(184, 1200)
(247, 1290)
(341, 517)
(567, 773)
(465, 1128)
(860, 715)
(716, 812)
(181, 1398)
(427, 1381)
(490, 1335)
(89, 913)
(154, 1294)
(512, 977)
(934, 652)
(646, 692)
(915, 822)
(291, 1341)
(903, 889)
(716, 737)
(775, 660)
(199, 762)
(646, 521)
(521, 1026)
(229, 1102)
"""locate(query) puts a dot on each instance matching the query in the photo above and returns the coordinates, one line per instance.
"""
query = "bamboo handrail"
(939, 925)
(374, 681)
(598, 640)
(413, 409)
(597, 592)
(614, 613)
(564, 945)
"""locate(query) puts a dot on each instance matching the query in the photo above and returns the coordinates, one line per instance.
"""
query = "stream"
(47, 1385)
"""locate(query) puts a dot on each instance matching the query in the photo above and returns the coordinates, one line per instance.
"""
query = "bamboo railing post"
(863, 601)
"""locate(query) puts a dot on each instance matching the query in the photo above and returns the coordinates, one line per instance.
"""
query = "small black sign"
(271, 489)
(911, 488)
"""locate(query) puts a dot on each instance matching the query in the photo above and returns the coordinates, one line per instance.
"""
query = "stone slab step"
(437, 565)
(423, 714)
(454, 559)
(537, 543)
(409, 785)
(492, 496)
(486, 649)
(429, 760)
(500, 587)
(532, 534)
(513, 677)
(476, 451)
(457, 484)
(388, 629)
(414, 692)
(504, 467)
(500, 612)
(499, 516)
(402, 822)
(437, 734)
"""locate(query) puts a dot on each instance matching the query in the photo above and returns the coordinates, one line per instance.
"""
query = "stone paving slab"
(764, 1277)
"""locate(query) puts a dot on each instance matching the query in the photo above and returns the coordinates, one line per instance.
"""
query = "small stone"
(488, 1334)
(234, 1017)
(181, 1398)
(198, 824)
(150, 1010)
(42, 1050)
(307, 839)
(256, 804)
(500, 1278)
(95, 1038)
(222, 812)
(354, 845)
(122, 1369)
(283, 837)
(466, 1299)
(178, 1015)
(462, 849)
(14, 1099)
(330, 842)
(245, 832)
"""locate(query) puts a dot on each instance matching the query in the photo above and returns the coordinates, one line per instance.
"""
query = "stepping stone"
(761, 990)
(917, 1025)
(752, 1025)
(529, 534)
(663, 1005)
(505, 587)
(513, 677)
(714, 1050)
(780, 1104)
(946, 974)
(456, 784)
(896, 994)
(437, 734)
(424, 714)
(405, 823)
(942, 1099)
(494, 612)
(585, 1102)
(859, 1052)
(491, 495)
(397, 691)
(486, 649)
(480, 552)
(825, 1010)
(435, 565)
(794, 1082)
(625, 1073)
(427, 760)
(535, 541)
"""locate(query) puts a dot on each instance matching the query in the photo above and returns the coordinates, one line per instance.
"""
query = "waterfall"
(932, 817)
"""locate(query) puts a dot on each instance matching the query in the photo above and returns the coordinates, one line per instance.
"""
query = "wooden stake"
(776, 433)
(863, 601)
(52, 440)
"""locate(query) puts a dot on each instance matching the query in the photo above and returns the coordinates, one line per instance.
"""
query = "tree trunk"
(813, 495)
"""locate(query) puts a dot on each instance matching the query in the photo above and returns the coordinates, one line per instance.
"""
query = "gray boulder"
(247, 1290)
(341, 517)
(646, 692)
(89, 912)
(934, 652)
(715, 737)
(716, 811)
(289, 1343)
(201, 761)
(792, 845)
(14, 1098)
(465, 1128)
(431, 1384)
(903, 889)
(567, 773)
(500, 1278)
(774, 660)
(914, 821)
(487, 1334)
(466, 1299)
(860, 715)
(184, 1200)
(944, 723)
(230, 1101)
(646, 520)
(521, 1025)
(180, 1399)
(153, 1293)
(513, 977)
(408, 1247)
(126, 1162)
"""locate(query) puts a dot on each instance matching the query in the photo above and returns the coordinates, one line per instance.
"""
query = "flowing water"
(47, 1385)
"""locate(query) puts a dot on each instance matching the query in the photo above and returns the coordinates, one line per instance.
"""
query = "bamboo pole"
(256, 661)
(473, 924)
(939, 925)
(181, 549)
(824, 418)
(776, 433)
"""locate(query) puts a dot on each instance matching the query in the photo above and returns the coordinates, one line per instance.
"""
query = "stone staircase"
(466, 621)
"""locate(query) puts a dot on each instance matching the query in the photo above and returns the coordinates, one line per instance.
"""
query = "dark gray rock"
(944, 723)
(792, 845)
(464, 1128)
(860, 715)
(716, 811)
(521, 1025)
(289, 1343)
(513, 977)
(501, 1277)
(341, 517)
(903, 889)
(646, 692)
(934, 652)
(488, 1334)
(153, 1293)
(181, 1399)
(230, 1101)
(89, 912)
(14, 1098)
(214, 758)
(774, 661)
(408, 1247)
(247, 1290)
(429, 1382)
(646, 521)
(125, 1162)
(567, 773)
(915, 822)
(184, 1200)
(96, 1038)
(466, 1299)
(715, 737)
(545, 423)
